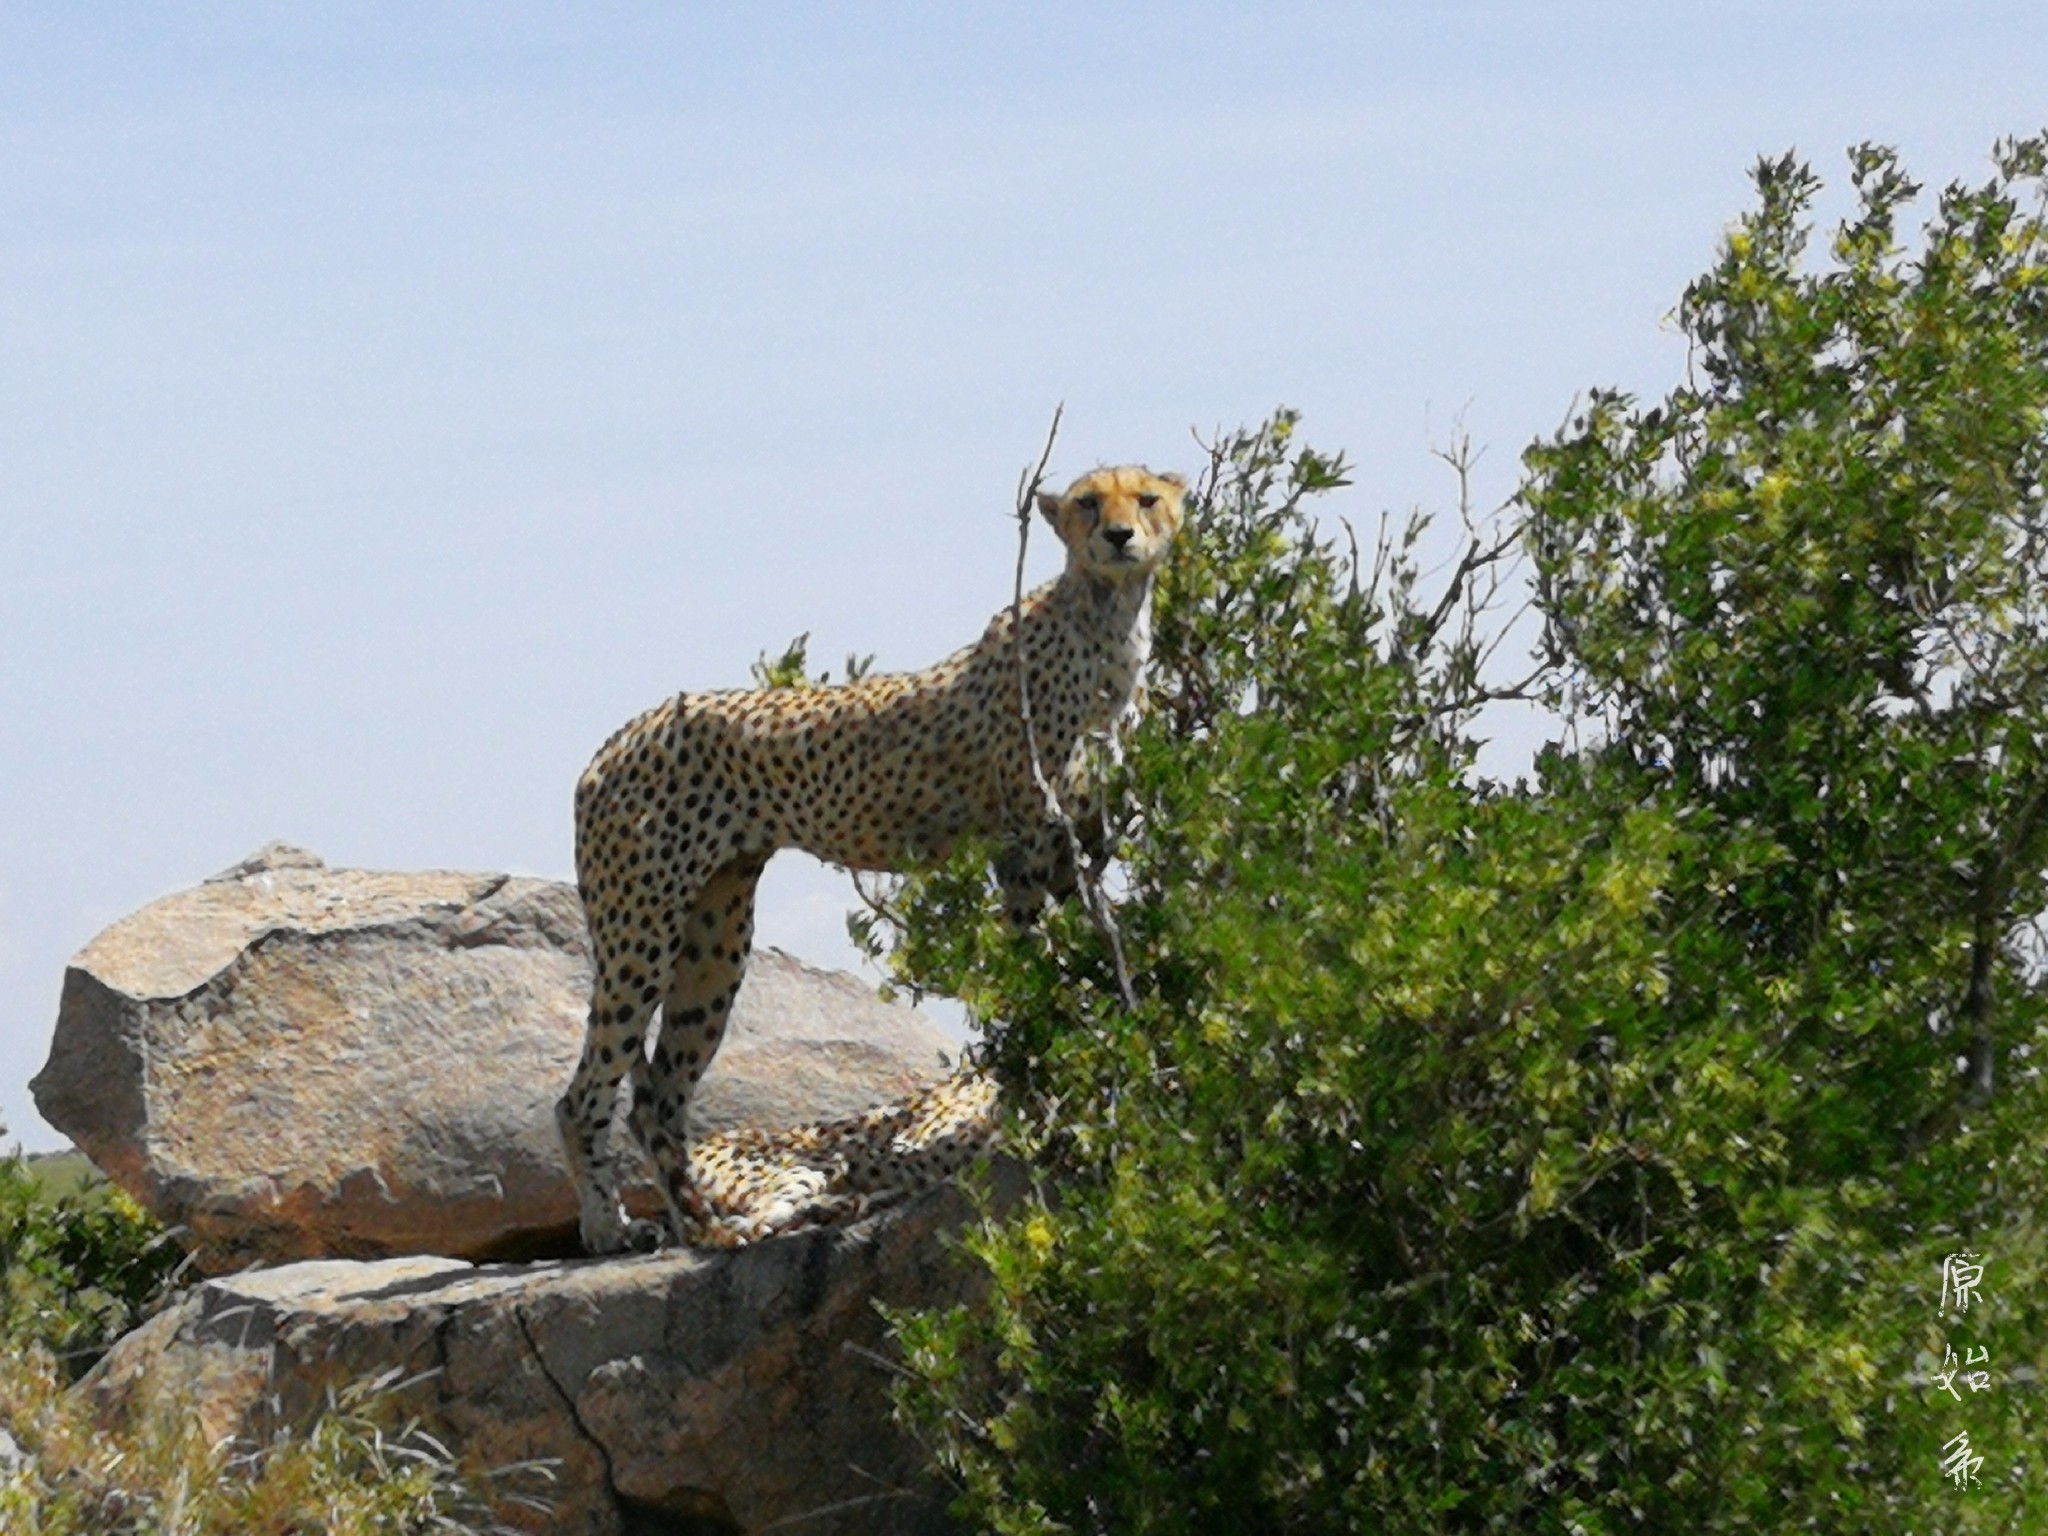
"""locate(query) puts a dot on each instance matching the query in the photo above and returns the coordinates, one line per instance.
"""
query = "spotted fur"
(679, 812)
(754, 1183)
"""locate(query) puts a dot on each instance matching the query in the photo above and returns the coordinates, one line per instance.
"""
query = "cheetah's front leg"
(1032, 867)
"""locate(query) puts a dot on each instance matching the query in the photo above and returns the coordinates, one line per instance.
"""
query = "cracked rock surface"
(291, 1061)
(693, 1393)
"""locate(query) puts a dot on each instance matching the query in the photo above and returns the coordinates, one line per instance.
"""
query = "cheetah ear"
(1049, 507)
(1178, 482)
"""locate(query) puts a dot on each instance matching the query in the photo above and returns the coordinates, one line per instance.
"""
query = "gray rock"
(705, 1392)
(290, 1061)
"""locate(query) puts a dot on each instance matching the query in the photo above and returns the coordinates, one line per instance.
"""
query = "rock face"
(686, 1393)
(293, 1062)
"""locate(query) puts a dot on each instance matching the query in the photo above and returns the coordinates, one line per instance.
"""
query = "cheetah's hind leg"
(714, 940)
(622, 1004)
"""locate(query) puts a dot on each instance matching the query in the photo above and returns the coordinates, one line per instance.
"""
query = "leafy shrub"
(78, 1269)
(1582, 1153)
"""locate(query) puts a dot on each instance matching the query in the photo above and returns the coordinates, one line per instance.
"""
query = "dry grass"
(80, 1265)
(354, 1473)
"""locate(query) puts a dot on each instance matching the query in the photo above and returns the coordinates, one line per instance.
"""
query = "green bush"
(1580, 1153)
(77, 1269)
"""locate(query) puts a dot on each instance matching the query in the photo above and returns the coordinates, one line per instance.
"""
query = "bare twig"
(1351, 535)
(1085, 879)
(1478, 555)
(858, 1501)
(880, 1361)
(875, 896)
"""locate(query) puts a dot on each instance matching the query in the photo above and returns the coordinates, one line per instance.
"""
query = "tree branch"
(1993, 892)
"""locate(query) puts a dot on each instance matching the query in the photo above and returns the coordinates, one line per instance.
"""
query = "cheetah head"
(1116, 523)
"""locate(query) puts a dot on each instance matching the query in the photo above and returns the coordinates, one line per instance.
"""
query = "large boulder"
(291, 1061)
(699, 1392)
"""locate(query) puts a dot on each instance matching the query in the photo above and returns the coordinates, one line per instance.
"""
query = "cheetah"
(681, 809)
(755, 1183)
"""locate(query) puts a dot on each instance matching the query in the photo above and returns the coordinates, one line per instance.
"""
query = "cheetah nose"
(1118, 537)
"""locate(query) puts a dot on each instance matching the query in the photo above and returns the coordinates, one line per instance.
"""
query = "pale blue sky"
(393, 399)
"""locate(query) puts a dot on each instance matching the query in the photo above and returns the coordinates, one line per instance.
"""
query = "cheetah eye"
(1148, 500)
(1089, 504)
